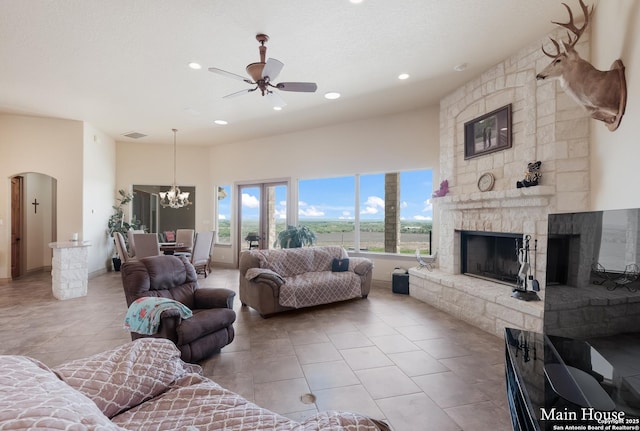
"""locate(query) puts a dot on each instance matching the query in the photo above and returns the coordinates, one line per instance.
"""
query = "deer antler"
(557, 45)
(572, 28)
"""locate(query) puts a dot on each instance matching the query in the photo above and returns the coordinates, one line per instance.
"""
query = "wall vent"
(134, 135)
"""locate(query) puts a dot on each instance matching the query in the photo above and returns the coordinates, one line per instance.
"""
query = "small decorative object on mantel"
(602, 93)
(531, 176)
(444, 189)
(486, 182)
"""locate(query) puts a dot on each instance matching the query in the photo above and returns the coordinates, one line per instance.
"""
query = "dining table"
(173, 247)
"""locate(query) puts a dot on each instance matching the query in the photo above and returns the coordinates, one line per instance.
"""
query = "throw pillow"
(340, 265)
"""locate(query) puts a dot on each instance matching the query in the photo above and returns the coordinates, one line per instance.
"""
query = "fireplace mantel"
(537, 196)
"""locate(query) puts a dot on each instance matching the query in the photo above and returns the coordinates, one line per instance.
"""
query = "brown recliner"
(211, 326)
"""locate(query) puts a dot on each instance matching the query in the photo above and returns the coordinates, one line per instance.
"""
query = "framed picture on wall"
(488, 133)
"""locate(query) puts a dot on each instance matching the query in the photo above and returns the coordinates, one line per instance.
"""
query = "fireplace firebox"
(491, 255)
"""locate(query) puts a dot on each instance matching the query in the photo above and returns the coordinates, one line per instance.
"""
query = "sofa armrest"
(213, 298)
(267, 276)
(360, 265)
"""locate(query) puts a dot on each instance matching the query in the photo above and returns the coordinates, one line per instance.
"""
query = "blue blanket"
(143, 315)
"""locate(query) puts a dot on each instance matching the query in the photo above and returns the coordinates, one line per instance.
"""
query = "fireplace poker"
(520, 291)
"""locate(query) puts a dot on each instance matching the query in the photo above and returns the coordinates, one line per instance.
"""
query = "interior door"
(262, 214)
(16, 227)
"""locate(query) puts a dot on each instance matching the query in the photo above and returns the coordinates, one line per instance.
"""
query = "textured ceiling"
(121, 65)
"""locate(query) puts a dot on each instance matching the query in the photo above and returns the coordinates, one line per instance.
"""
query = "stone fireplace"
(546, 126)
(491, 256)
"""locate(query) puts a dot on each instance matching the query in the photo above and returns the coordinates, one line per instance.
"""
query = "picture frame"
(488, 133)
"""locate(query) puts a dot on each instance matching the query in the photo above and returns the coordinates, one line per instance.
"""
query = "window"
(372, 213)
(327, 207)
(394, 211)
(224, 215)
(416, 211)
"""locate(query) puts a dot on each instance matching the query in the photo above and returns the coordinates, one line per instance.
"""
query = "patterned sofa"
(142, 385)
(277, 280)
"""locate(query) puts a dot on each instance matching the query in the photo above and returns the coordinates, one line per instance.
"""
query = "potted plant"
(117, 223)
(294, 237)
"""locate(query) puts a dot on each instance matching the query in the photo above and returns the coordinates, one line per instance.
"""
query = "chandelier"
(174, 198)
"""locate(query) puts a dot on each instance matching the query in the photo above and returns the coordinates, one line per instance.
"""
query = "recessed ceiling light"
(332, 95)
(221, 122)
(195, 66)
(277, 108)
(356, 1)
(403, 76)
(460, 67)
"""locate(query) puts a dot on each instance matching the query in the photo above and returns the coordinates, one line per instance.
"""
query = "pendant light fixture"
(174, 198)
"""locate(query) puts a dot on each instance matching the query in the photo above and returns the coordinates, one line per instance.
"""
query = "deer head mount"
(602, 93)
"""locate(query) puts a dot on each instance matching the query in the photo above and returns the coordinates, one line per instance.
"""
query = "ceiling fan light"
(254, 70)
(332, 95)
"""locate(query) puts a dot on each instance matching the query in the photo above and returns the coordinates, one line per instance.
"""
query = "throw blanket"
(143, 315)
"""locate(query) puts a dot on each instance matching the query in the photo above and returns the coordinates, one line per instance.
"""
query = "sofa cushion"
(320, 287)
(126, 376)
(33, 397)
(204, 405)
(294, 261)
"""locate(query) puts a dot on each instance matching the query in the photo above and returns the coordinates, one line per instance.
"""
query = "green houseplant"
(117, 223)
(294, 237)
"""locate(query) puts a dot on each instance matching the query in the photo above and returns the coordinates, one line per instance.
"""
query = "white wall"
(149, 164)
(99, 178)
(385, 144)
(49, 146)
(616, 155)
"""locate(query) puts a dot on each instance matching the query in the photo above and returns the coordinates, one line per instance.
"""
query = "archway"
(33, 222)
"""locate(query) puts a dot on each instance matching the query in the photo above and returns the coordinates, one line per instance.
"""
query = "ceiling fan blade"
(272, 69)
(239, 93)
(305, 87)
(230, 75)
(275, 100)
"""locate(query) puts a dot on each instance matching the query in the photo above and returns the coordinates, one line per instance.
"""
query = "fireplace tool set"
(526, 273)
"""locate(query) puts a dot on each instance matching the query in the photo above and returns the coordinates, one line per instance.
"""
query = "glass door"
(262, 214)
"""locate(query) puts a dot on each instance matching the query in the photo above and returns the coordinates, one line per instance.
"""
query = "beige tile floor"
(389, 356)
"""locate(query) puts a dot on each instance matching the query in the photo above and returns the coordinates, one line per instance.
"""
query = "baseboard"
(94, 274)
(222, 265)
(39, 269)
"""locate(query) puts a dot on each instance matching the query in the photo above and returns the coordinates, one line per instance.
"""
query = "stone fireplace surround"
(547, 126)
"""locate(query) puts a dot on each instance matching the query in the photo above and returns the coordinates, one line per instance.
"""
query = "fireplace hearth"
(491, 255)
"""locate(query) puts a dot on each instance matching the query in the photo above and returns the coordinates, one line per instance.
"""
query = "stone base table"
(70, 269)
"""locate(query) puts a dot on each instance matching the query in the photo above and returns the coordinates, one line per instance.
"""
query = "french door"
(262, 214)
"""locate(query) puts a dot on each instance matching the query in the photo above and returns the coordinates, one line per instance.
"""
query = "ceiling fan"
(262, 76)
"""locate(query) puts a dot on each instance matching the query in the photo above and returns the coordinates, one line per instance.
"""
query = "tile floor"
(389, 356)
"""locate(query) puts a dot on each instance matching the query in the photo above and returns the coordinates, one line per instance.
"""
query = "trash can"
(400, 281)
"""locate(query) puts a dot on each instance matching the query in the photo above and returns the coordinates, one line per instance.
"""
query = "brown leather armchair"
(211, 326)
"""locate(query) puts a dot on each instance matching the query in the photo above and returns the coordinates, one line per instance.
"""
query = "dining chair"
(202, 249)
(185, 237)
(146, 245)
(121, 247)
(132, 243)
